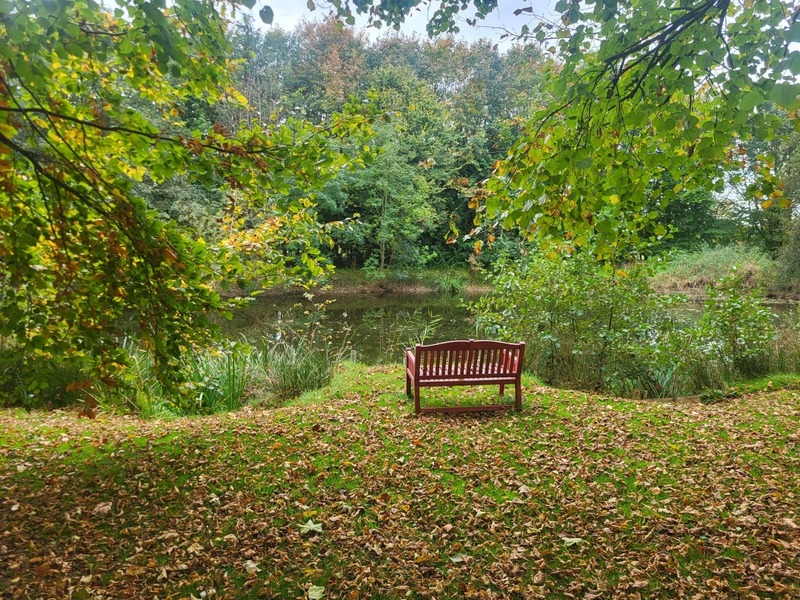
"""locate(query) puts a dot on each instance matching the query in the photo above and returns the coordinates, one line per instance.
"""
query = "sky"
(288, 13)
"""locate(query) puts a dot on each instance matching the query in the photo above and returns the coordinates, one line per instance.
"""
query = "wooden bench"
(465, 362)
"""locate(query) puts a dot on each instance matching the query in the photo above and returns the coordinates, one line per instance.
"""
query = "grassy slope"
(577, 495)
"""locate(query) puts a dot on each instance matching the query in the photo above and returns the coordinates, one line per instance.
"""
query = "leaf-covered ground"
(347, 495)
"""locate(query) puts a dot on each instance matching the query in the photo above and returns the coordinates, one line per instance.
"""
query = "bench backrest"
(468, 358)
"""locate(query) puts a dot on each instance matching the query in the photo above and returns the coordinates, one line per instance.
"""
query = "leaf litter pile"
(349, 496)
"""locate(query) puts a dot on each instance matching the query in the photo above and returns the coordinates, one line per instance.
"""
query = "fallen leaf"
(102, 509)
(310, 526)
(251, 567)
(316, 592)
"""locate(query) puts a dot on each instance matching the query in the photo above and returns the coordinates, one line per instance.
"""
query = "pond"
(365, 327)
(373, 328)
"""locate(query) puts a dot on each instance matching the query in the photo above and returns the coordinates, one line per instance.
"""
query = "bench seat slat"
(453, 381)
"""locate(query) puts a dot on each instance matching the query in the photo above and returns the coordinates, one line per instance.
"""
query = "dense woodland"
(446, 111)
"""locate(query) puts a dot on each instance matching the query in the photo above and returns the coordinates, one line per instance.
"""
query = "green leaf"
(785, 95)
(266, 15)
(605, 226)
(790, 63)
(750, 100)
(793, 34)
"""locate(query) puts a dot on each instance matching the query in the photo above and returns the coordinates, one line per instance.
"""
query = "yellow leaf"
(7, 130)
(614, 199)
(766, 204)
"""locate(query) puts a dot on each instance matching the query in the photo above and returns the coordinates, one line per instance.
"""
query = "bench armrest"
(410, 360)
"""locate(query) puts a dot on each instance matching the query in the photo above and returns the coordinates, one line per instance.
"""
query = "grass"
(219, 380)
(445, 280)
(577, 495)
(292, 369)
(696, 270)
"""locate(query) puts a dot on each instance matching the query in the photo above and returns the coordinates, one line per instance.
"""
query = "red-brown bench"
(465, 362)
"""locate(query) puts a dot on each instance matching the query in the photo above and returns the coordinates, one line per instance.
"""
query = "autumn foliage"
(93, 100)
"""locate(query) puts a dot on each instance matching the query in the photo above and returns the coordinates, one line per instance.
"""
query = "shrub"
(738, 328)
(587, 325)
(590, 326)
(44, 383)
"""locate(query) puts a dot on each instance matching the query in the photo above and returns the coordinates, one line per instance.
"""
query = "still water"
(364, 327)
(376, 328)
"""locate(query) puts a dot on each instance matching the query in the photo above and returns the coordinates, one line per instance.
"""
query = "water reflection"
(367, 328)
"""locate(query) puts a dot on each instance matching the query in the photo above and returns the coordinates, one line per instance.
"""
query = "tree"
(327, 68)
(92, 101)
(262, 72)
(645, 90)
(398, 196)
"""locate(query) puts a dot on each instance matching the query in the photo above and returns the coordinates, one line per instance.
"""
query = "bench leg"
(417, 408)
(408, 385)
(502, 388)
(518, 395)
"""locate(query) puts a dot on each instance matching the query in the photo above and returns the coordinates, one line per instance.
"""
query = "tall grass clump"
(785, 354)
(291, 370)
(222, 379)
(697, 270)
(215, 381)
(402, 330)
(450, 283)
(207, 381)
(787, 270)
